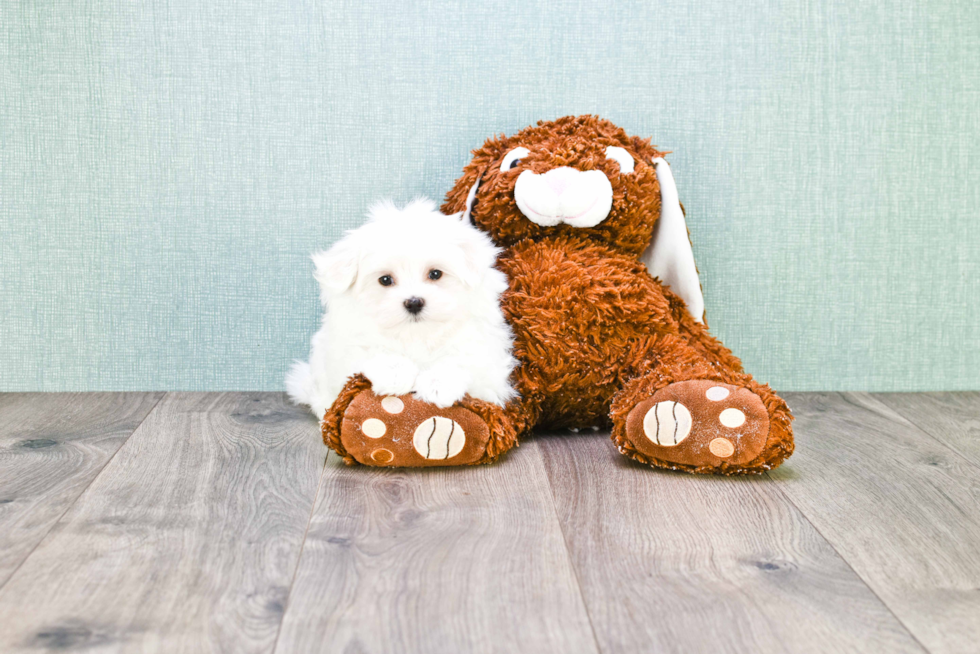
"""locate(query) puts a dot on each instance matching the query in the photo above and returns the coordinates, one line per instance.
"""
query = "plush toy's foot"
(401, 431)
(705, 426)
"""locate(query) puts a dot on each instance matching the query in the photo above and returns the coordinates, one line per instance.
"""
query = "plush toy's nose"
(414, 305)
(580, 198)
(560, 178)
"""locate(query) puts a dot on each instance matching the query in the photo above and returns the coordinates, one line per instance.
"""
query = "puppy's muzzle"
(580, 198)
(414, 305)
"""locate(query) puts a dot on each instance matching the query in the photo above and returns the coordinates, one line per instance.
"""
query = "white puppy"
(412, 302)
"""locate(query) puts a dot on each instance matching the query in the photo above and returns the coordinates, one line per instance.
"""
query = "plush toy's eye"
(513, 158)
(622, 157)
(386, 280)
(435, 274)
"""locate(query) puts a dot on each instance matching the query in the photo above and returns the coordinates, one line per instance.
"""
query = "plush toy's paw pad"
(700, 423)
(402, 431)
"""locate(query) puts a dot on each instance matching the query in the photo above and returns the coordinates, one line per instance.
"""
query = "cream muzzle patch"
(580, 198)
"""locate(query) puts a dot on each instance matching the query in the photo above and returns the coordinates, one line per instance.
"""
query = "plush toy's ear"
(669, 255)
(336, 269)
(471, 199)
(463, 209)
(462, 196)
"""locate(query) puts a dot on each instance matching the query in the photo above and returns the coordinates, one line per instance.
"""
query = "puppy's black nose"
(414, 305)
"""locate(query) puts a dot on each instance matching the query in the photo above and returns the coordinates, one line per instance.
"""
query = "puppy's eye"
(386, 280)
(513, 158)
(435, 274)
(622, 157)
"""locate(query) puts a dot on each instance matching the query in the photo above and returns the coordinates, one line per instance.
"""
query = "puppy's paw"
(500, 394)
(391, 374)
(442, 386)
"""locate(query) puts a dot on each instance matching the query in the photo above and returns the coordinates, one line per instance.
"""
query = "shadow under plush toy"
(607, 314)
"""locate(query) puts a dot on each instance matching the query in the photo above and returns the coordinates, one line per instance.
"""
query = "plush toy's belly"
(584, 317)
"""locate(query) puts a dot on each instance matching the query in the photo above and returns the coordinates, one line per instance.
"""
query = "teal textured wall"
(166, 168)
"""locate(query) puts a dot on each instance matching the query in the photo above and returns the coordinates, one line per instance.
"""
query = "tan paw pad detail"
(699, 423)
(403, 431)
(721, 448)
(717, 393)
(439, 438)
(373, 428)
(732, 418)
(667, 423)
(392, 405)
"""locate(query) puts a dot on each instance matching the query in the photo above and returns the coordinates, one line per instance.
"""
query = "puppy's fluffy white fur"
(458, 343)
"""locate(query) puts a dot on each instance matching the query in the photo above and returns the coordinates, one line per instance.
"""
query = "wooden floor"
(192, 522)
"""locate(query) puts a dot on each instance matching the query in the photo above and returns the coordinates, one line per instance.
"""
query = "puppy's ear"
(479, 255)
(382, 210)
(336, 269)
(669, 255)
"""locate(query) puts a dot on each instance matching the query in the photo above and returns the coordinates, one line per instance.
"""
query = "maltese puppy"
(411, 302)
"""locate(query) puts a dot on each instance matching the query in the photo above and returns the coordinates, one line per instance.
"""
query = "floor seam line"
(849, 566)
(82, 492)
(908, 630)
(299, 557)
(568, 551)
(969, 460)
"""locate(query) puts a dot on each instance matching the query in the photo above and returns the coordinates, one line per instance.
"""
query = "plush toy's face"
(574, 176)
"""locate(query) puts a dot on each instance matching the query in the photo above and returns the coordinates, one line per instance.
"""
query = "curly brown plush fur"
(595, 333)
(600, 341)
(333, 419)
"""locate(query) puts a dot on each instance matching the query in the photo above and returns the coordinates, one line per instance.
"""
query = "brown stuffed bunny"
(607, 313)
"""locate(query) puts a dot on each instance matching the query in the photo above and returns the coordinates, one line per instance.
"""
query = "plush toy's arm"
(669, 255)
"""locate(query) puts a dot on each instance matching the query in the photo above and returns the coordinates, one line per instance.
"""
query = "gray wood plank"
(902, 509)
(51, 448)
(187, 541)
(952, 418)
(438, 560)
(670, 562)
